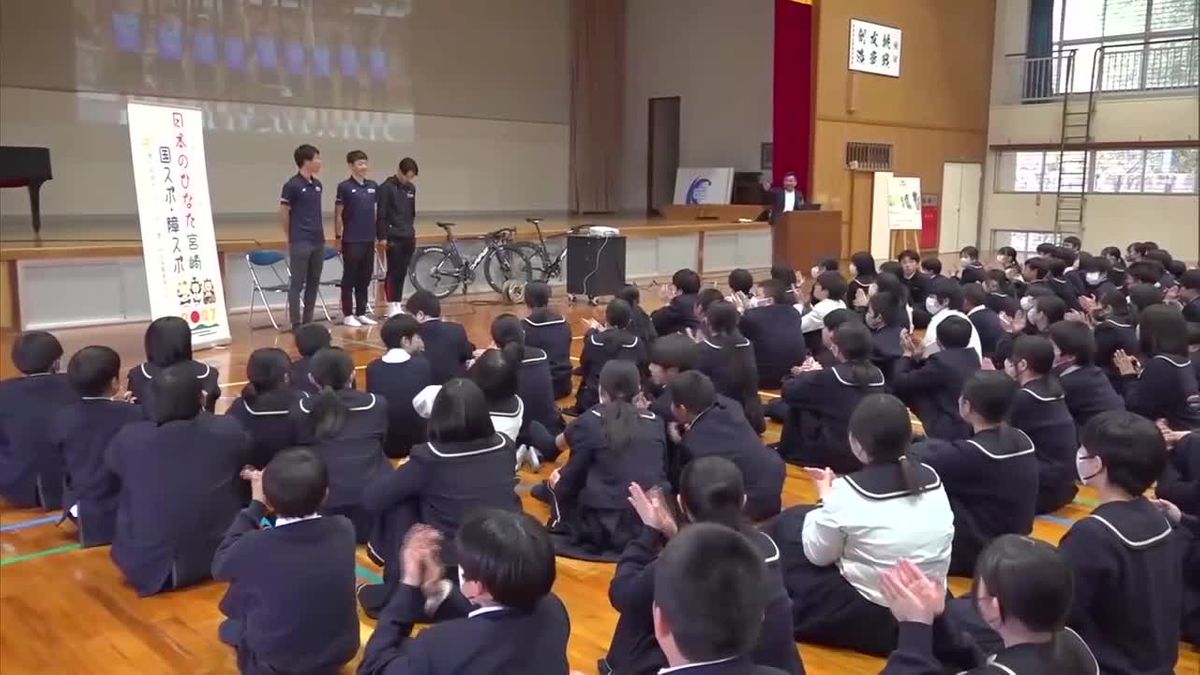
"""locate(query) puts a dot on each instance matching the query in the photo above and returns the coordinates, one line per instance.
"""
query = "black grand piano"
(28, 168)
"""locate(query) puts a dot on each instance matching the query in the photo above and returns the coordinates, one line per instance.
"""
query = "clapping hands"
(652, 508)
(421, 556)
(912, 596)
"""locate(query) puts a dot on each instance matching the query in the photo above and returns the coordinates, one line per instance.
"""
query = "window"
(1148, 44)
(1025, 242)
(1124, 171)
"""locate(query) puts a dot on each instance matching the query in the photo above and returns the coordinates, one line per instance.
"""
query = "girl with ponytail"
(728, 359)
(1022, 592)
(347, 428)
(867, 521)
(264, 406)
(535, 386)
(613, 444)
(711, 490)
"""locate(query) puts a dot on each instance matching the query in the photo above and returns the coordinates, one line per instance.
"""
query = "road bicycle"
(543, 265)
(441, 269)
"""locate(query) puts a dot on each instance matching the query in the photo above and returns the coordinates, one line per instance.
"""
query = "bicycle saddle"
(534, 221)
(502, 233)
(446, 226)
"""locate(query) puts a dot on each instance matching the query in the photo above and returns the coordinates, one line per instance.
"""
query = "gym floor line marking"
(45, 520)
(1057, 519)
(38, 554)
(367, 574)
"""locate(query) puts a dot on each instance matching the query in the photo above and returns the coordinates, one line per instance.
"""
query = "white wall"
(1171, 220)
(717, 56)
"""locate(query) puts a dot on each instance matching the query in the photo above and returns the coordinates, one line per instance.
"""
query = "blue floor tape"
(1057, 519)
(46, 520)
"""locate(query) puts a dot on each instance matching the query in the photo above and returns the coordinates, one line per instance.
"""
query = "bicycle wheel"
(435, 271)
(537, 259)
(506, 263)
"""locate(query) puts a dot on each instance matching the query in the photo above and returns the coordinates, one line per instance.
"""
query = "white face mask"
(1026, 303)
(1001, 259)
(932, 306)
(1084, 474)
(964, 261)
(1093, 278)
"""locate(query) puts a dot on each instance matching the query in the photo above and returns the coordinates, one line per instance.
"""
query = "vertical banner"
(179, 245)
(794, 90)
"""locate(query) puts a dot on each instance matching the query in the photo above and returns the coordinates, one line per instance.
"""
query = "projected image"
(347, 54)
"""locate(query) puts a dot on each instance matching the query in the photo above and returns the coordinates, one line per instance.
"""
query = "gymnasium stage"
(68, 610)
(88, 272)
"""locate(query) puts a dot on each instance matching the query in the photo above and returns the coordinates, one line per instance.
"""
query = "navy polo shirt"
(304, 220)
(358, 209)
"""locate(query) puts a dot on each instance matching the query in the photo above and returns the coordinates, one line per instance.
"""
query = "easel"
(905, 239)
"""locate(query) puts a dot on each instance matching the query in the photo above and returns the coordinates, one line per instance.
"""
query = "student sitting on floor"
(828, 293)
(547, 330)
(987, 322)
(728, 359)
(1041, 412)
(862, 276)
(81, 432)
(1189, 523)
(398, 376)
(774, 330)
(310, 339)
(603, 344)
(670, 355)
(502, 617)
(1022, 589)
(710, 492)
(465, 465)
(1180, 480)
(496, 376)
(679, 313)
(918, 286)
(867, 521)
(821, 400)
(1061, 286)
(168, 342)
(1165, 386)
(970, 270)
(887, 321)
(931, 386)
(1189, 294)
(290, 600)
(346, 428)
(30, 471)
(264, 408)
(446, 345)
(1126, 557)
(1001, 297)
(639, 321)
(178, 476)
(535, 387)
(887, 282)
(945, 300)
(1116, 329)
(1085, 387)
(990, 478)
(1095, 272)
(932, 267)
(741, 287)
(707, 605)
(612, 445)
(709, 426)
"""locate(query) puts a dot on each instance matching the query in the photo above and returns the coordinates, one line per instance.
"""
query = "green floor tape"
(38, 554)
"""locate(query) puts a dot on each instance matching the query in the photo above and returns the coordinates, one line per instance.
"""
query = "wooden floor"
(68, 610)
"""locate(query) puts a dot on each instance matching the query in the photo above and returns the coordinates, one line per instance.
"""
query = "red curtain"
(794, 89)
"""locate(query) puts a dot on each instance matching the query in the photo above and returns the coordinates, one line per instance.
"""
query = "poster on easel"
(904, 203)
(179, 245)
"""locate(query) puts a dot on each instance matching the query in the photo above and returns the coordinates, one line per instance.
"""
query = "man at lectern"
(786, 198)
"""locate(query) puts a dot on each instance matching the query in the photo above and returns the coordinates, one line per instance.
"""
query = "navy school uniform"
(81, 434)
(858, 284)
(634, 649)
(354, 455)
(717, 362)
(179, 492)
(1166, 388)
(590, 503)
(914, 655)
(439, 485)
(932, 389)
(469, 639)
(971, 273)
(141, 375)
(991, 482)
(1180, 480)
(722, 431)
(775, 331)
(678, 315)
(918, 288)
(268, 421)
(398, 377)
(1045, 418)
(447, 348)
(1002, 303)
(300, 380)
(1127, 563)
(1191, 311)
(535, 386)
(549, 331)
(1065, 290)
(886, 350)
(600, 347)
(987, 324)
(1113, 333)
(1088, 393)
(290, 601)
(816, 429)
(641, 325)
(31, 472)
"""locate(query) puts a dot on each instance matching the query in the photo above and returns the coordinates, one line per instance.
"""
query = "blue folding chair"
(273, 261)
(331, 253)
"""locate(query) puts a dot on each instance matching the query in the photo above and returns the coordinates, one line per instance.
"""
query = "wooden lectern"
(802, 238)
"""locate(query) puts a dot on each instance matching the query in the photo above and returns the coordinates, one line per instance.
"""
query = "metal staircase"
(1076, 132)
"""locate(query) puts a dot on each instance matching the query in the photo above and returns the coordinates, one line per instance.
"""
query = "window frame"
(1089, 187)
